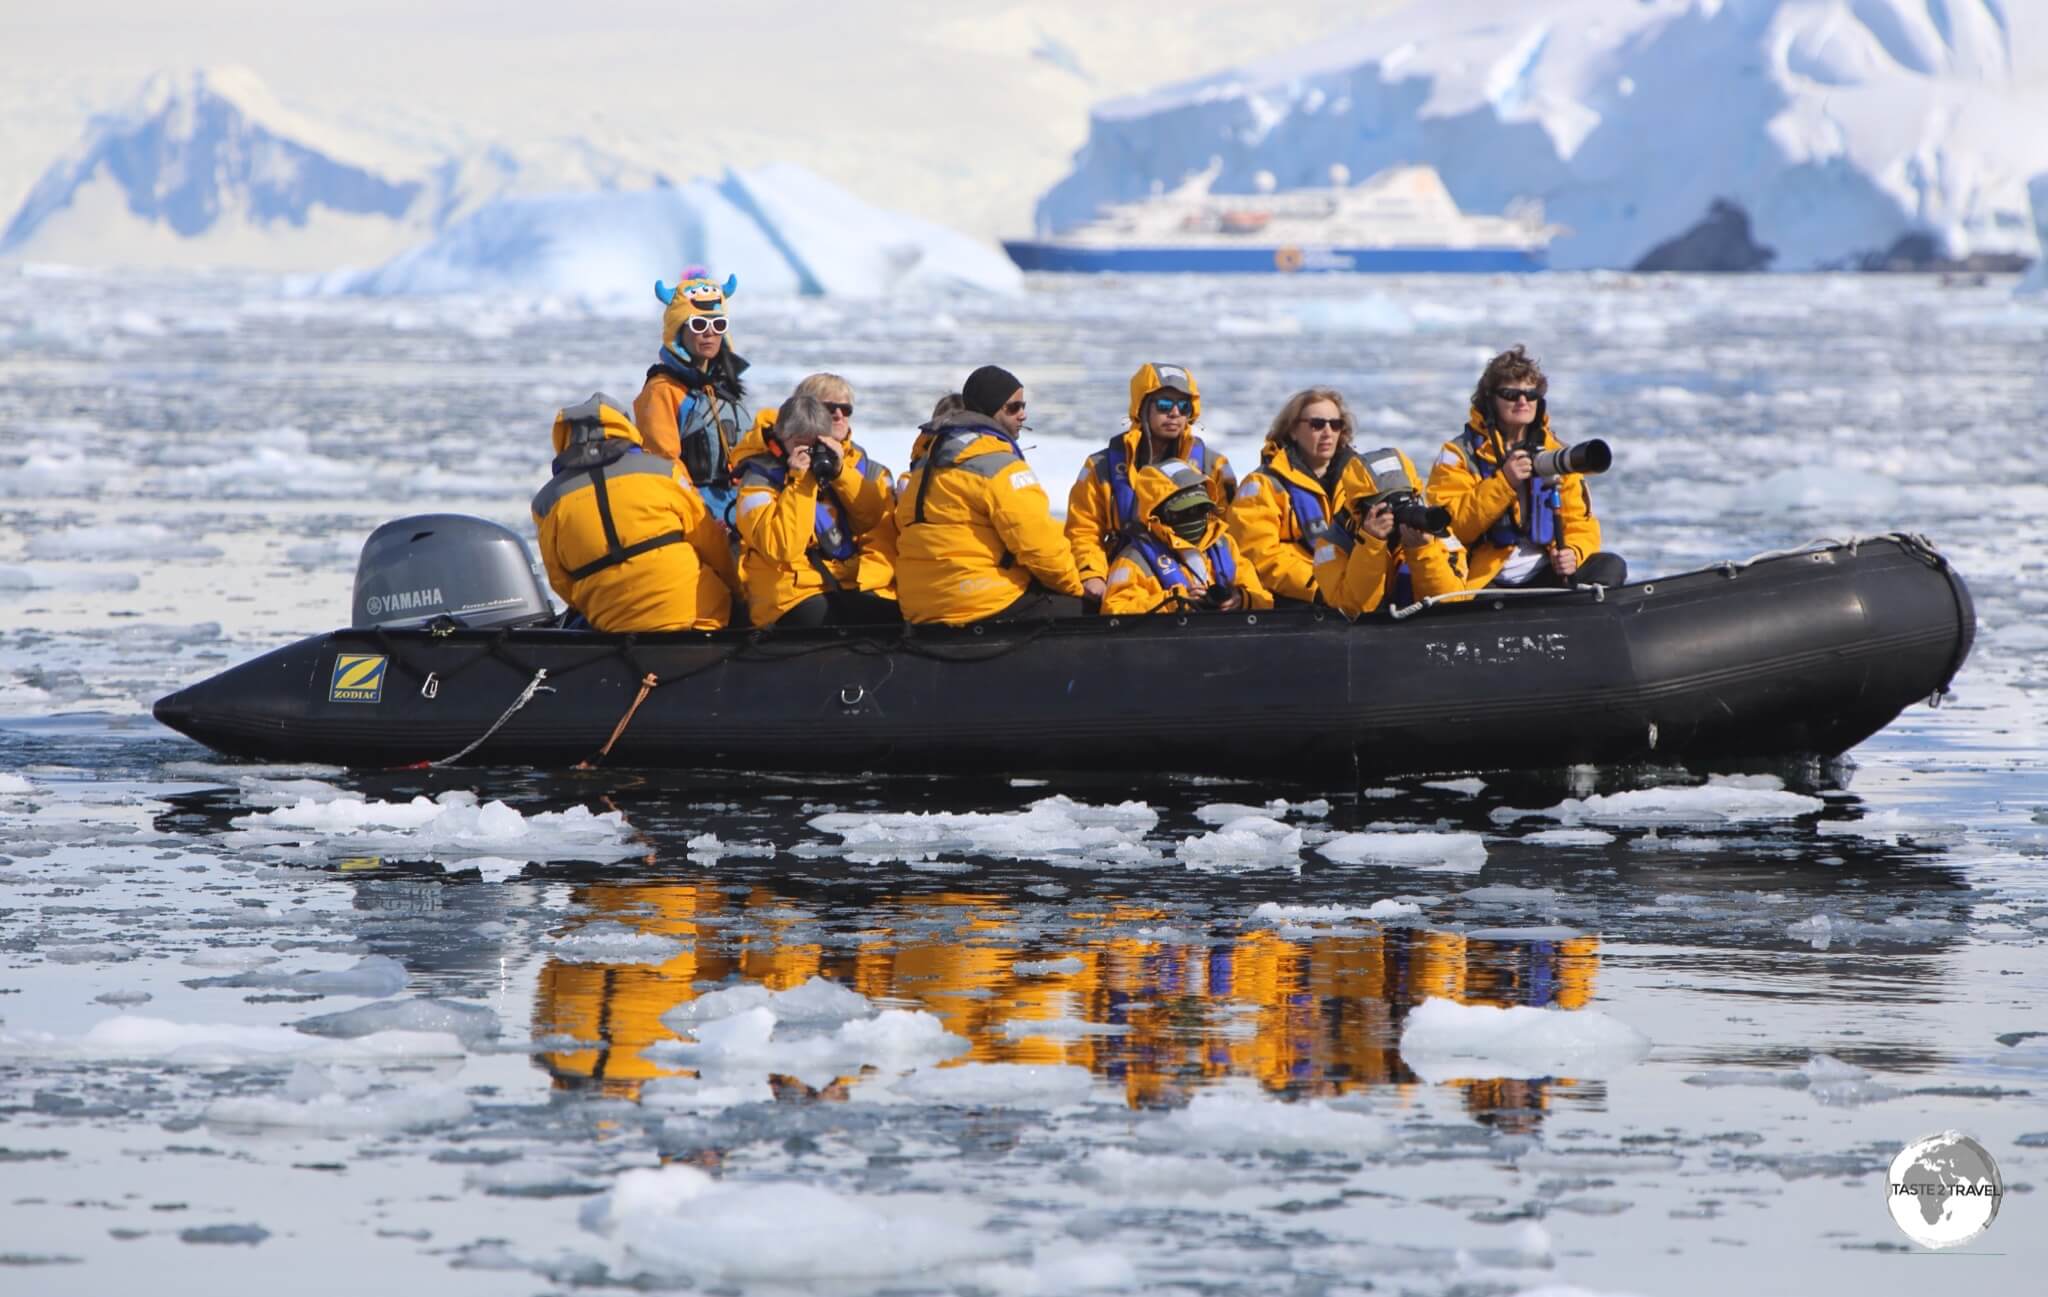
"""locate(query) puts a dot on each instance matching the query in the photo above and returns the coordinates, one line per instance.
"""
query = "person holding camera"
(1383, 549)
(1184, 558)
(1102, 508)
(1517, 495)
(817, 531)
(1307, 469)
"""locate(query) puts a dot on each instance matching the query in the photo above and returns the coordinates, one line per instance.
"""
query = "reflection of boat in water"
(1402, 219)
(1790, 655)
(1300, 1015)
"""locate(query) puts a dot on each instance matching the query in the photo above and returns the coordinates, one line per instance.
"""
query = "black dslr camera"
(825, 461)
(1411, 510)
(1391, 486)
(1582, 457)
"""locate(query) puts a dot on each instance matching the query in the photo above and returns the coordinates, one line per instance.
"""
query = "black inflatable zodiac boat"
(1796, 654)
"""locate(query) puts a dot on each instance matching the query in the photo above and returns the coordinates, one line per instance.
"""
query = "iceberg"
(1837, 126)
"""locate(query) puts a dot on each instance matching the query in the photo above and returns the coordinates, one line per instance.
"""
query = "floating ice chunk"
(1041, 967)
(998, 1085)
(1058, 1269)
(123, 997)
(709, 845)
(1569, 837)
(1894, 826)
(705, 1094)
(470, 1023)
(1469, 787)
(372, 977)
(614, 943)
(894, 1038)
(130, 1038)
(21, 580)
(1236, 1120)
(327, 1105)
(232, 957)
(1060, 1028)
(1706, 805)
(1451, 852)
(677, 1220)
(817, 1000)
(259, 790)
(494, 869)
(1818, 931)
(536, 1178)
(1052, 829)
(451, 825)
(1220, 813)
(14, 785)
(1274, 912)
(1843, 1085)
(1126, 1175)
(1444, 1040)
(1248, 840)
(101, 542)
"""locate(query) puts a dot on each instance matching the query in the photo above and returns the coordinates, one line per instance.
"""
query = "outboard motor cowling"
(469, 570)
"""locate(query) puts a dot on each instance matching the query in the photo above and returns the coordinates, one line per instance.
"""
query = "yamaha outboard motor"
(474, 572)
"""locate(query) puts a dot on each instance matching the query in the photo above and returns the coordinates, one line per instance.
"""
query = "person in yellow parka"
(976, 540)
(1306, 474)
(692, 405)
(626, 539)
(817, 530)
(1518, 529)
(1101, 507)
(1184, 558)
(1364, 559)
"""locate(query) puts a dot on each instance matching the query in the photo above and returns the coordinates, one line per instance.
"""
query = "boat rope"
(534, 686)
(647, 684)
(1599, 593)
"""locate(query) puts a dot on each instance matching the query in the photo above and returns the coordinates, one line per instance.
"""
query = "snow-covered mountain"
(208, 169)
(1838, 125)
(780, 228)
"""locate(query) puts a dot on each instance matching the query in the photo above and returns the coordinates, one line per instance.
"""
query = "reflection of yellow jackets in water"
(783, 557)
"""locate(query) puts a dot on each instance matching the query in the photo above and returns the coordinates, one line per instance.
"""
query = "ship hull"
(1269, 259)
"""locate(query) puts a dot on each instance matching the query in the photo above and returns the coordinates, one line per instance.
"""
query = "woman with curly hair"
(1518, 529)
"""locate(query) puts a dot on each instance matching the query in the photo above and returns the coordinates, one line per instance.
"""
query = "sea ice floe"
(1443, 1040)
(1568, 837)
(1469, 787)
(451, 825)
(748, 1041)
(372, 977)
(1453, 852)
(993, 1085)
(322, 1102)
(816, 1001)
(1274, 912)
(129, 1038)
(1237, 1118)
(676, 1220)
(1733, 801)
(708, 845)
(1057, 1269)
(101, 542)
(608, 942)
(14, 785)
(472, 1024)
(1053, 829)
(1250, 841)
(1220, 813)
(1822, 931)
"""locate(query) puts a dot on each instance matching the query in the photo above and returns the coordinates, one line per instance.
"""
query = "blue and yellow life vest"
(1166, 565)
(833, 542)
(1539, 501)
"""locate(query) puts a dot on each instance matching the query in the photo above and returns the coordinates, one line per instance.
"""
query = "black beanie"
(987, 389)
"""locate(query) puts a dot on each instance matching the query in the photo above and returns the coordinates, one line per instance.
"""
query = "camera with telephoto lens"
(1410, 510)
(1582, 457)
(1216, 596)
(824, 461)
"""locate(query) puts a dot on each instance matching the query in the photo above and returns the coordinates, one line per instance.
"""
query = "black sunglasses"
(1172, 404)
(1518, 393)
(1319, 423)
(844, 409)
(1014, 407)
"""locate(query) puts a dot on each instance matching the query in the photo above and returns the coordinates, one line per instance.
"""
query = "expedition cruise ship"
(1402, 219)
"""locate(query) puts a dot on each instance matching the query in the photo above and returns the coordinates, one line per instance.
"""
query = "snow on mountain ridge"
(1839, 124)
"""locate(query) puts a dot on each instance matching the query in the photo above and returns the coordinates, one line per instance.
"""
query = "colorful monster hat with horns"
(696, 294)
